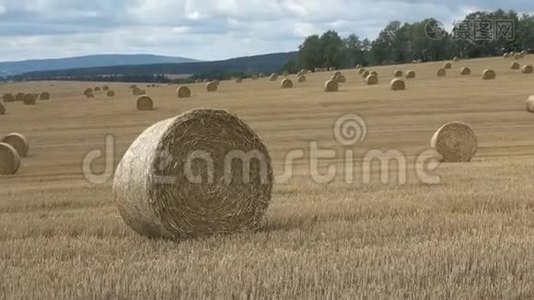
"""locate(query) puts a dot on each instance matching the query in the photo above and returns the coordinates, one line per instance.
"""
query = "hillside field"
(470, 236)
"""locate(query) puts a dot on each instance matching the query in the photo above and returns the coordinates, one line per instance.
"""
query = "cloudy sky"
(205, 29)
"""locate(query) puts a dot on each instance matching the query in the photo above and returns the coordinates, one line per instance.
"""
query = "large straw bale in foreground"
(186, 177)
(19, 142)
(9, 160)
(456, 142)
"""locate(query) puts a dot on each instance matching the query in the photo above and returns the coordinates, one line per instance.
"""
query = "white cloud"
(204, 29)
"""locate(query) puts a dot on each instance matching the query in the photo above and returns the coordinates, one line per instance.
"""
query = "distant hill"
(252, 64)
(20, 67)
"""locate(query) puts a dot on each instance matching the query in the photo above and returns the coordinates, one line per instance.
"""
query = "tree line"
(480, 34)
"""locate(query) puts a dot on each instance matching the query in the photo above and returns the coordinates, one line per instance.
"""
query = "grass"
(471, 236)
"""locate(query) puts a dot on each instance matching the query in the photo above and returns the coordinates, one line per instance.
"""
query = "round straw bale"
(527, 69)
(331, 86)
(447, 66)
(87, 91)
(365, 74)
(286, 83)
(372, 79)
(110, 93)
(145, 103)
(465, 71)
(44, 96)
(414, 61)
(19, 142)
(9, 159)
(138, 92)
(515, 66)
(398, 73)
(456, 142)
(274, 77)
(524, 52)
(506, 55)
(29, 99)
(361, 70)
(97, 89)
(238, 80)
(340, 78)
(410, 74)
(105, 88)
(358, 66)
(374, 73)
(2, 109)
(398, 85)
(488, 74)
(212, 86)
(518, 56)
(199, 174)
(133, 86)
(302, 78)
(442, 72)
(183, 92)
(89, 95)
(456, 58)
(8, 97)
(20, 97)
(530, 104)
(336, 74)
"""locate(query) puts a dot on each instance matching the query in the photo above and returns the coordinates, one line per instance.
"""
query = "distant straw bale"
(9, 160)
(183, 92)
(19, 142)
(456, 142)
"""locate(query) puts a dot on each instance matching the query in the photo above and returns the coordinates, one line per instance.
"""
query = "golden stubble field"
(471, 236)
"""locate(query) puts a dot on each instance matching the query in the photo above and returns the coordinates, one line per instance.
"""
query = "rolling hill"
(252, 64)
(20, 67)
